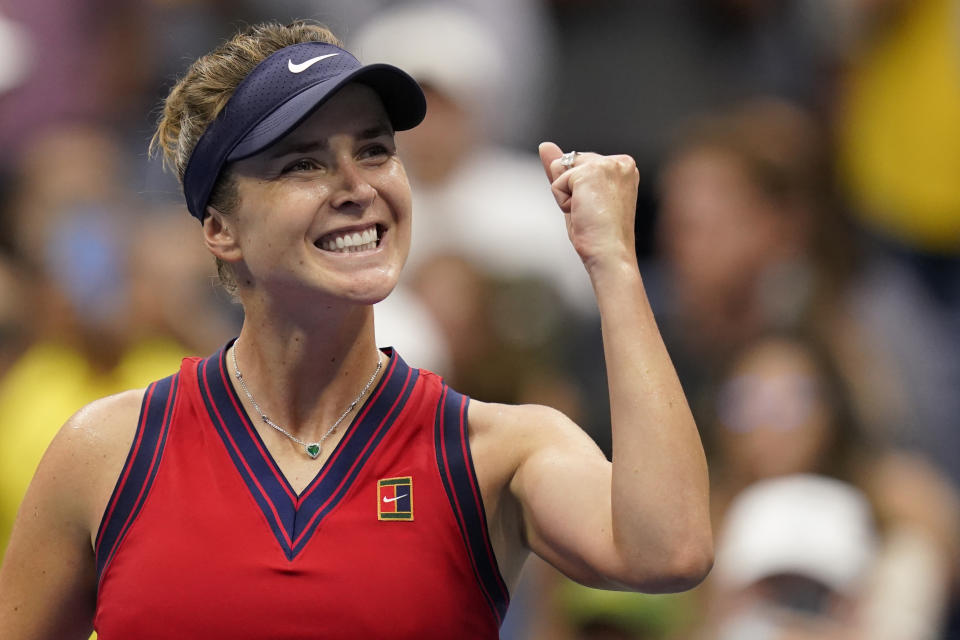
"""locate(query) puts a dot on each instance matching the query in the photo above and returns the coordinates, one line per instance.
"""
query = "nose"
(353, 191)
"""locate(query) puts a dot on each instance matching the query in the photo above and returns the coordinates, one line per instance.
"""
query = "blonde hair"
(199, 96)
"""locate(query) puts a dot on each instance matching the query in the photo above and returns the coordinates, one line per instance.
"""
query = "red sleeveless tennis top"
(203, 537)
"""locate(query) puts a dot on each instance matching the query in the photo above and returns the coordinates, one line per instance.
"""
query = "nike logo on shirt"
(386, 499)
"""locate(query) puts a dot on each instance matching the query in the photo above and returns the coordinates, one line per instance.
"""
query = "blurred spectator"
(747, 235)
(751, 238)
(781, 409)
(793, 562)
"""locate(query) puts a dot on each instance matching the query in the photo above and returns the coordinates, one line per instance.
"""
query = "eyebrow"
(310, 146)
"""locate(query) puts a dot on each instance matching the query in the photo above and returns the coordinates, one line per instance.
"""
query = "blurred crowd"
(798, 229)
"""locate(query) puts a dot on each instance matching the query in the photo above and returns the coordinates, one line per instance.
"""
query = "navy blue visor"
(278, 95)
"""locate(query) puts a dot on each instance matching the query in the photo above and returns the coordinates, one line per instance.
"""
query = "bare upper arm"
(48, 576)
(554, 489)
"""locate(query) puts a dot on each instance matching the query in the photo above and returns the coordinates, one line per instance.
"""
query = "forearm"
(660, 488)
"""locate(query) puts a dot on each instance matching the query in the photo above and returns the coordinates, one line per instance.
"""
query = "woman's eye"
(301, 165)
(375, 151)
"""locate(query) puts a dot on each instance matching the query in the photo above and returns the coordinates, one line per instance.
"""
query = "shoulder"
(83, 462)
(506, 436)
(103, 423)
(494, 415)
(525, 425)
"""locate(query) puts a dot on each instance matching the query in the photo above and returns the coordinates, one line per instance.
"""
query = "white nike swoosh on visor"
(303, 66)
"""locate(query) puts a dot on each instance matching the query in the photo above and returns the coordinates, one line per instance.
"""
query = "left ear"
(220, 236)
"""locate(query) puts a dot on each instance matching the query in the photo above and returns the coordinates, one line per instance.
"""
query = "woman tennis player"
(301, 482)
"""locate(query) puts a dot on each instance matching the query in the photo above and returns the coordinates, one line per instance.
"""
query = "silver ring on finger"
(568, 159)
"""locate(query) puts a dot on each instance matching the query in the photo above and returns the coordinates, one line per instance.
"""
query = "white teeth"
(353, 242)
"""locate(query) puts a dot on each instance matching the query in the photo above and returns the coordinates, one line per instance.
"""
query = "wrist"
(612, 270)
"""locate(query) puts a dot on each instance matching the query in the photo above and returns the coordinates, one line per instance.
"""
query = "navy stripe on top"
(459, 480)
(139, 470)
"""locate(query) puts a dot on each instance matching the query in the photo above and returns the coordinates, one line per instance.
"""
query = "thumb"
(549, 152)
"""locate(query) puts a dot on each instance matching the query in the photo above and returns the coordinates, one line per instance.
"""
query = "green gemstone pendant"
(313, 449)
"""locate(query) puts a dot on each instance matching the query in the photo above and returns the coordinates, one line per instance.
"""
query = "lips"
(352, 240)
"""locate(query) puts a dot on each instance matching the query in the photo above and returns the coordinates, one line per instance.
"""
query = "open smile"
(352, 240)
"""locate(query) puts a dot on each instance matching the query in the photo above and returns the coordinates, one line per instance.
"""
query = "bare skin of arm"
(642, 521)
(48, 577)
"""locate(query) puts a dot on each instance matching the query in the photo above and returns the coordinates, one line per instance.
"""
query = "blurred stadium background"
(798, 229)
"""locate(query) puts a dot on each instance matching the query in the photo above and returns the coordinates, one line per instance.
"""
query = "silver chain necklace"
(312, 449)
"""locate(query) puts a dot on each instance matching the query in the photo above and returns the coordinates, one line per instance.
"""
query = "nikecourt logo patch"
(395, 499)
(300, 67)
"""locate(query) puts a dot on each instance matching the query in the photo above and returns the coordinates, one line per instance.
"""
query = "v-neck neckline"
(292, 516)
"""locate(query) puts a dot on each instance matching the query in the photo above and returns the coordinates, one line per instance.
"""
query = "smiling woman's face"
(325, 210)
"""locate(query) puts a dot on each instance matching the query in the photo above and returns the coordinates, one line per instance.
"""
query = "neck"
(305, 374)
